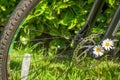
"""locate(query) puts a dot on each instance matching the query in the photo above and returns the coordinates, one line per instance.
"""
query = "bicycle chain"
(80, 45)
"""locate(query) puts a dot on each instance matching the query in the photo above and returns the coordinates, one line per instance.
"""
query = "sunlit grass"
(45, 67)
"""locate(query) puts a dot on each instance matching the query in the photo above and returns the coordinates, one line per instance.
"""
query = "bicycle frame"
(95, 11)
(113, 25)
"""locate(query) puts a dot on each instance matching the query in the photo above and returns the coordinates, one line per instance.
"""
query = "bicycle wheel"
(22, 10)
(51, 55)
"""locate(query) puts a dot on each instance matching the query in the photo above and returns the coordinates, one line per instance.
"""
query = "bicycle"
(26, 6)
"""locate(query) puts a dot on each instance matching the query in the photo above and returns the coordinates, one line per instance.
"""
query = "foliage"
(57, 18)
(6, 8)
(64, 18)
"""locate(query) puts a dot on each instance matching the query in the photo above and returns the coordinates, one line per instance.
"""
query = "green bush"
(57, 18)
(6, 8)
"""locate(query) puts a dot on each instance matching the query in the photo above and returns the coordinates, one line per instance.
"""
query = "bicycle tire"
(21, 11)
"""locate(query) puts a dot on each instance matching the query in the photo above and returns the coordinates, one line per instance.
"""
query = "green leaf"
(73, 23)
(55, 22)
(97, 30)
(3, 8)
(24, 39)
(40, 29)
(54, 32)
(40, 9)
(49, 14)
(111, 2)
(101, 18)
(90, 1)
(65, 33)
(62, 5)
(67, 19)
(57, 43)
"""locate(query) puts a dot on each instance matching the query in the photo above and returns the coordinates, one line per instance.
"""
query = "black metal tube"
(113, 24)
(116, 29)
(96, 9)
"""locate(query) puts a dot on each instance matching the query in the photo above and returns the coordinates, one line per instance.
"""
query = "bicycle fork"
(96, 8)
(95, 11)
(114, 25)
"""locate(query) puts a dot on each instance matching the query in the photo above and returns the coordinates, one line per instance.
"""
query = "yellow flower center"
(98, 50)
(107, 44)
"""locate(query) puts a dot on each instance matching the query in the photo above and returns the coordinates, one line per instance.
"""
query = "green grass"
(44, 67)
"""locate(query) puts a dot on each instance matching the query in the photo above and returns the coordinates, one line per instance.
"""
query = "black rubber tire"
(21, 11)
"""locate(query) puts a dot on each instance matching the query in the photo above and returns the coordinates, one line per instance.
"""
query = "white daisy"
(98, 51)
(108, 44)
